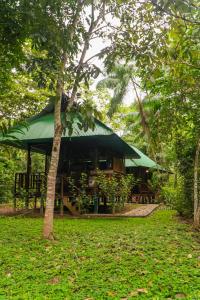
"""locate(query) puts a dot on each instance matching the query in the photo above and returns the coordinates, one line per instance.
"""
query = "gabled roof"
(143, 161)
(39, 134)
(41, 128)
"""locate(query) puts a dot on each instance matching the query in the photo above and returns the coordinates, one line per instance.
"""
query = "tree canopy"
(152, 46)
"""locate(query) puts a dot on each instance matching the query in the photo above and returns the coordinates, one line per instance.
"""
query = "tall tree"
(94, 22)
(120, 79)
(175, 80)
(168, 66)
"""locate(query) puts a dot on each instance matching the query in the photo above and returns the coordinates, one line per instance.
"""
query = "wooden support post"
(61, 196)
(96, 203)
(35, 203)
(96, 165)
(14, 203)
(42, 204)
(96, 159)
(46, 167)
(28, 171)
(104, 202)
(15, 192)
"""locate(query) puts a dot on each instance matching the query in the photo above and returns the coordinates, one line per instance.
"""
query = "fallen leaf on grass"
(189, 256)
(143, 290)
(54, 280)
(180, 296)
(111, 293)
(138, 291)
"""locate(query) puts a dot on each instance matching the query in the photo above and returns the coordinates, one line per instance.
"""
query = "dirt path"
(6, 210)
(141, 211)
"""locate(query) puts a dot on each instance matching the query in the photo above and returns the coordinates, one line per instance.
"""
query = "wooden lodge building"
(82, 151)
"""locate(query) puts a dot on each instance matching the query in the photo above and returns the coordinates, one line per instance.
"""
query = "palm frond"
(109, 83)
(116, 100)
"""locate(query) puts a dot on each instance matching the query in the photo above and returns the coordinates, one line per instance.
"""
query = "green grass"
(150, 258)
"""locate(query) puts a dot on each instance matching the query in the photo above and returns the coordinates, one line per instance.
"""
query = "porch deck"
(32, 189)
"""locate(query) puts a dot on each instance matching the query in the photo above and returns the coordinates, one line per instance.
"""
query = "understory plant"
(78, 191)
(116, 188)
(173, 194)
(7, 170)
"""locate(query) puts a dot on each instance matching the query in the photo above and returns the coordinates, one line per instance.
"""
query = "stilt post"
(42, 204)
(46, 164)
(28, 171)
(96, 200)
(61, 196)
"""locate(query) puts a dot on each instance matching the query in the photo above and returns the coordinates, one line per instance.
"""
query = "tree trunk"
(196, 192)
(142, 113)
(52, 174)
(144, 122)
(51, 179)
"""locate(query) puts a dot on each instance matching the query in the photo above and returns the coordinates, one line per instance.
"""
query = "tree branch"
(93, 24)
(172, 14)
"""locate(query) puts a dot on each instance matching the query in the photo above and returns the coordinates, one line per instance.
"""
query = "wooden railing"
(33, 184)
(143, 195)
(143, 198)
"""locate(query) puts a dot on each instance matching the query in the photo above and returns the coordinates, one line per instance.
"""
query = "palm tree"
(119, 80)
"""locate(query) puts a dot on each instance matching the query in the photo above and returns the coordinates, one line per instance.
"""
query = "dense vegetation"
(150, 47)
(154, 258)
(150, 53)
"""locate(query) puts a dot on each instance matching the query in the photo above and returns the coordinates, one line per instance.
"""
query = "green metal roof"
(143, 161)
(42, 128)
(40, 131)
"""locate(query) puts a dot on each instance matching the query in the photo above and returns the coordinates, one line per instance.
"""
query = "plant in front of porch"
(78, 192)
(115, 188)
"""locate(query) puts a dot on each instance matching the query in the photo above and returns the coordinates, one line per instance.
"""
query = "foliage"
(84, 199)
(169, 74)
(126, 184)
(7, 169)
(176, 83)
(156, 181)
(22, 98)
(116, 188)
(12, 161)
(85, 110)
(100, 259)
(173, 194)
(79, 193)
(118, 81)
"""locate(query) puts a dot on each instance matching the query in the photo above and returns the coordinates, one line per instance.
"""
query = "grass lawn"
(144, 258)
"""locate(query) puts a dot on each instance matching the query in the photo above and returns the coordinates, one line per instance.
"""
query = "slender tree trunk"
(52, 174)
(196, 192)
(51, 179)
(144, 122)
(142, 113)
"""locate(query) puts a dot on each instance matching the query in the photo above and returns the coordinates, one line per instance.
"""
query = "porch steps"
(72, 208)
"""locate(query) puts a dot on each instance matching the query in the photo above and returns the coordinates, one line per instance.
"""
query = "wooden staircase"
(72, 208)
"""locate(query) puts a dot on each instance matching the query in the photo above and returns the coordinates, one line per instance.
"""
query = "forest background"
(151, 48)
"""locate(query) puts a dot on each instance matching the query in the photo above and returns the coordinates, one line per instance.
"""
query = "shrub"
(175, 197)
(79, 192)
(116, 188)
